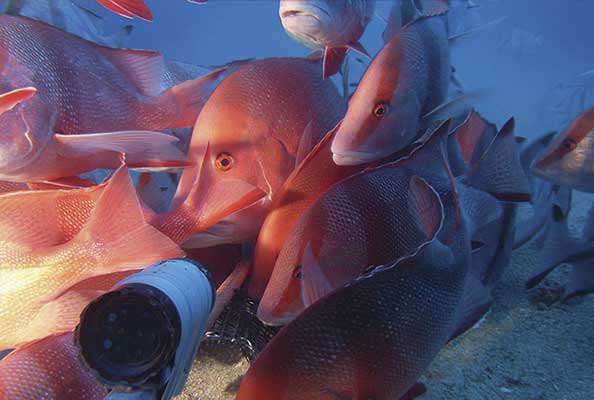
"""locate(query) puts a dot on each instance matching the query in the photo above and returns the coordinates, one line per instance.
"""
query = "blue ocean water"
(525, 62)
(530, 66)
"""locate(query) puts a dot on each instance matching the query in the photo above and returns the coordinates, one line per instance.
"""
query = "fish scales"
(47, 370)
(74, 76)
(365, 340)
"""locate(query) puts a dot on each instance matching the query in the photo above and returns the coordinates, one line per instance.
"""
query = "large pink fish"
(48, 369)
(38, 288)
(56, 87)
(406, 80)
(370, 339)
(257, 124)
(345, 232)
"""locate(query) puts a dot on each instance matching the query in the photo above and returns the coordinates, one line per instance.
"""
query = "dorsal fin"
(498, 171)
(145, 69)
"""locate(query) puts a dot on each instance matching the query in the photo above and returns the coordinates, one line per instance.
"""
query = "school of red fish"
(381, 220)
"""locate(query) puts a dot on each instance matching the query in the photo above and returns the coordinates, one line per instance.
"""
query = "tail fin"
(499, 171)
(458, 37)
(475, 303)
(117, 230)
(581, 280)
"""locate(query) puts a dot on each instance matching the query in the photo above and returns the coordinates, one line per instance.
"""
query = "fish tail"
(499, 171)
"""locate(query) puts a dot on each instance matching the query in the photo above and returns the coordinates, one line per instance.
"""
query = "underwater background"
(532, 66)
(529, 63)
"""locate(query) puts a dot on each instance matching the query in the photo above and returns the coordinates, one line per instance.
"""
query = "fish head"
(26, 130)
(379, 120)
(239, 153)
(283, 298)
(569, 158)
(320, 23)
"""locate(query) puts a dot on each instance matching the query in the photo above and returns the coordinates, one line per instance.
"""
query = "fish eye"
(224, 162)
(569, 144)
(297, 274)
(380, 110)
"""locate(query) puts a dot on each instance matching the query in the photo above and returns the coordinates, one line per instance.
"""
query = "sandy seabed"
(529, 347)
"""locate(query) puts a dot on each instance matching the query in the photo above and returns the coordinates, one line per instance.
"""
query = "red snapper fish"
(301, 189)
(320, 255)
(257, 124)
(406, 80)
(48, 369)
(309, 266)
(36, 296)
(51, 83)
(370, 339)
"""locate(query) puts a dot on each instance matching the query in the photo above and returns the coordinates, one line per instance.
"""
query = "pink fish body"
(408, 78)
(246, 139)
(48, 369)
(37, 295)
(83, 88)
(345, 232)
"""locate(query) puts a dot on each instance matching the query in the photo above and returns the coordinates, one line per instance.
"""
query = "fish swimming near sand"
(309, 266)
(42, 131)
(370, 339)
(257, 124)
(332, 26)
(35, 299)
(48, 369)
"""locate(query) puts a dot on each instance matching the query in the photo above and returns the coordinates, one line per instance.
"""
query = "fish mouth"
(539, 169)
(350, 158)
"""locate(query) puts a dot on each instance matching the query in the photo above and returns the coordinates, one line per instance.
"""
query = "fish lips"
(302, 10)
